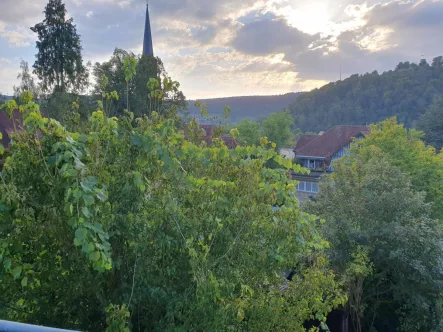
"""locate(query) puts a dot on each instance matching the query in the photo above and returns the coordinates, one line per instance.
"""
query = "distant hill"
(4, 98)
(249, 107)
(405, 92)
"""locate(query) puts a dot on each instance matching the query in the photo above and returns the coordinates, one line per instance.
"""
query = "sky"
(220, 48)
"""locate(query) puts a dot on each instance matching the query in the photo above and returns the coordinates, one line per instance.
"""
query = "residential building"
(318, 152)
(208, 136)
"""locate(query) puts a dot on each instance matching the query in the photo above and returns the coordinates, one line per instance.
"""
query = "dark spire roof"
(147, 43)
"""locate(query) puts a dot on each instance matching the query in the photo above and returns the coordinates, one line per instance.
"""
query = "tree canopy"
(431, 123)
(125, 224)
(405, 150)
(59, 63)
(405, 92)
(137, 87)
(384, 244)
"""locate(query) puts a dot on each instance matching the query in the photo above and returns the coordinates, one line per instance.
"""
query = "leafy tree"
(277, 127)
(405, 92)
(59, 63)
(405, 150)
(431, 123)
(383, 242)
(27, 82)
(129, 66)
(127, 224)
(139, 92)
(250, 132)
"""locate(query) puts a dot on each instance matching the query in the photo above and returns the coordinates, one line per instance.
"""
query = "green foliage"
(250, 132)
(277, 127)
(117, 318)
(383, 240)
(58, 41)
(405, 150)
(27, 82)
(431, 123)
(405, 92)
(141, 97)
(127, 211)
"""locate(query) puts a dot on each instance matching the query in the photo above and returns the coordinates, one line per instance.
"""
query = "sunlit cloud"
(230, 47)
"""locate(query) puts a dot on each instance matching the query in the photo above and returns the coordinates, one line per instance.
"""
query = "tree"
(129, 67)
(139, 92)
(250, 132)
(383, 242)
(277, 127)
(405, 150)
(59, 63)
(404, 92)
(27, 82)
(126, 222)
(431, 123)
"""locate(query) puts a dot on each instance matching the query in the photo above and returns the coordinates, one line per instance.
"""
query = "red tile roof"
(327, 144)
(305, 139)
(229, 141)
(7, 126)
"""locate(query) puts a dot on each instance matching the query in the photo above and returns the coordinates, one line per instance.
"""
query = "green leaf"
(80, 234)
(16, 272)
(25, 282)
(94, 256)
(89, 200)
(86, 212)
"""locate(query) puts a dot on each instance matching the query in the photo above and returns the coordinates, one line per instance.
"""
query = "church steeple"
(147, 43)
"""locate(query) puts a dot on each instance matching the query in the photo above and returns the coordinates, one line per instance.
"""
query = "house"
(7, 126)
(208, 136)
(318, 152)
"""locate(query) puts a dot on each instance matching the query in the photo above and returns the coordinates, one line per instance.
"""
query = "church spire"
(147, 43)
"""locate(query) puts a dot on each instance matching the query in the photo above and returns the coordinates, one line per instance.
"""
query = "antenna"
(340, 70)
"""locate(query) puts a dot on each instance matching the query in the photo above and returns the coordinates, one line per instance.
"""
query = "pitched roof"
(229, 141)
(327, 144)
(7, 126)
(305, 139)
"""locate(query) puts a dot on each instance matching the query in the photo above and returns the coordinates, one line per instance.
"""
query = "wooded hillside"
(405, 92)
(249, 107)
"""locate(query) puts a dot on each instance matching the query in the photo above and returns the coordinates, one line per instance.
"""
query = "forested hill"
(405, 92)
(250, 107)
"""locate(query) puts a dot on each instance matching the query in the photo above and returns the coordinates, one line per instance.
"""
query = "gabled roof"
(327, 144)
(305, 139)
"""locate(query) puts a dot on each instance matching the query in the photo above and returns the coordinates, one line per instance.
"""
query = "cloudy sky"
(217, 48)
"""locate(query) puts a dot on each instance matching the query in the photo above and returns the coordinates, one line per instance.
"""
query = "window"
(314, 187)
(309, 187)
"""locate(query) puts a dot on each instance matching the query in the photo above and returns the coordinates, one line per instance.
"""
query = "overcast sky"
(218, 48)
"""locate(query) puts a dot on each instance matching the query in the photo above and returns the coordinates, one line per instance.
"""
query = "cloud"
(4, 60)
(369, 37)
(228, 47)
(17, 36)
(270, 37)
